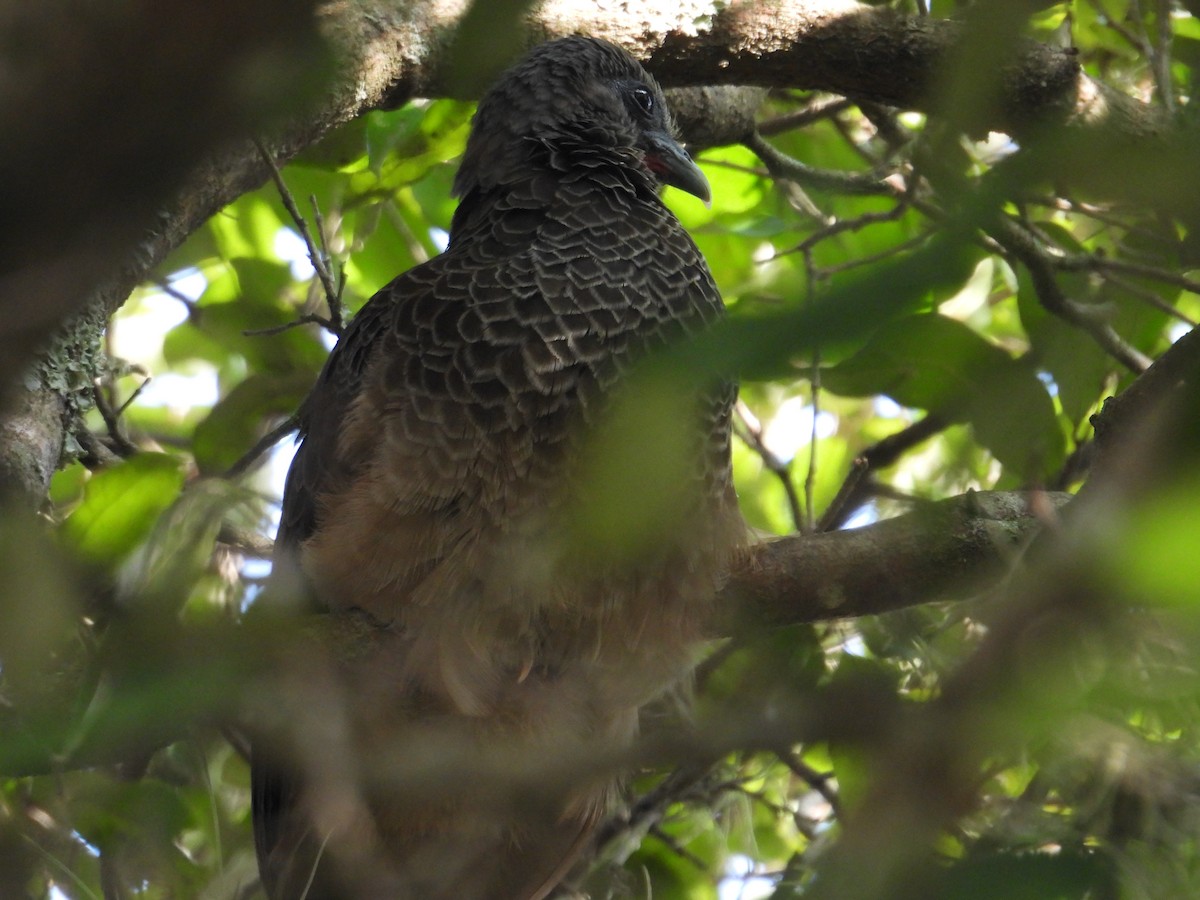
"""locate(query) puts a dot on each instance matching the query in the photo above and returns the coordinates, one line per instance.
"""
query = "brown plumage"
(434, 502)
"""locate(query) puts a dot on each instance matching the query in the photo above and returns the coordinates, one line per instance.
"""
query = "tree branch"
(926, 555)
(116, 106)
(390, 50)
(130, 200)
(964, 542)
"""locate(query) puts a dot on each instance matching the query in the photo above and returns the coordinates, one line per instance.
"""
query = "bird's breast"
(478, 407)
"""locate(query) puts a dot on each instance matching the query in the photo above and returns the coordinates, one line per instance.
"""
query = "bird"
(436, 509)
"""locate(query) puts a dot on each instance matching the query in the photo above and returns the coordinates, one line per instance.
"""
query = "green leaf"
(776, 667)
(1064, 875)
(111, 811)
(247, 229)
(1156, 559)
(1076, 363)
(340, 148)
(165, 567)
(758, 346)
(247, 298)
(386, 129)
(236, 422)
(630, 499)
(120, 506)
(939, 364)
(67, 484)
(384, 253)
(404, 144)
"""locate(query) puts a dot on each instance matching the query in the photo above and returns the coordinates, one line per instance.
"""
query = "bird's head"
(571, 100)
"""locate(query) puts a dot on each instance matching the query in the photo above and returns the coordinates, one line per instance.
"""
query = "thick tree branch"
(164, 114)
(389, 50)
(954, 548)
(1147, 433)
(1178, 367)
(938, 551)
(31, 437)
(116, 104)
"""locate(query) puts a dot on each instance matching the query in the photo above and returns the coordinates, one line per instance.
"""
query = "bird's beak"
(673, 166)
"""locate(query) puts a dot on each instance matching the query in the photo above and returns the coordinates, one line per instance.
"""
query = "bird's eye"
(643, 99)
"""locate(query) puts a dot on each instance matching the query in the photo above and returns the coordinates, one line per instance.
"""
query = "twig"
(885, 452)
(96, 454)
(1160, 59)
(857, 147)
(649, 809)
(810, 477)
(238, 739)
(850, 496)
(886, 124)
(903, 246)
(337, 310)
(1088, 262)
(1117, 28)
(678, 849)
(780, 165)
(193, 308)
(310, 319)
(265, 443)
(888, 492)
(415, 245)
(879, 455)
(814, 112)
(797, 197)
(246, 542)
(751, 433)
(756, 171)
(1096, 212)
(840, 226)
(133, 396)
(1022, 245)
(1075, 467)
(121, 444)
(67, 873)
(818, 781)
(1179, 363)
(332, 294)
(1150, 299)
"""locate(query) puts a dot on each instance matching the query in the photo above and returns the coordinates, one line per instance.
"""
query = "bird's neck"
(562, 178)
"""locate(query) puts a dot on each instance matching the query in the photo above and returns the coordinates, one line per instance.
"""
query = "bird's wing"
(287, 847)
(381, 462)
(317, 460)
